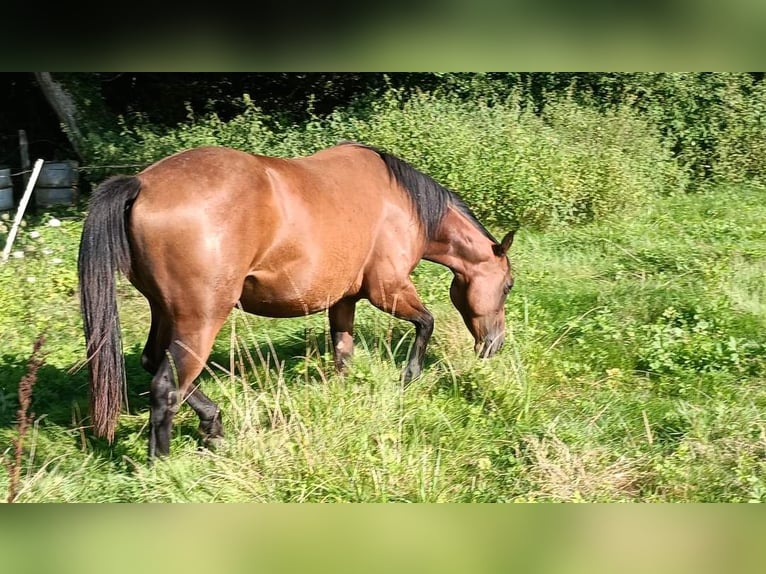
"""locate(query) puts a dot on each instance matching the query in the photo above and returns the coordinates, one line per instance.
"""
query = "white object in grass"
(22, 207)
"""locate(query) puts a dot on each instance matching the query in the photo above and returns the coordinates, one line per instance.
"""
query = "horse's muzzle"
(489, 346)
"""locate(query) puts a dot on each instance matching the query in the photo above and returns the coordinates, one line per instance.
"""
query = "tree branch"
(64, 106)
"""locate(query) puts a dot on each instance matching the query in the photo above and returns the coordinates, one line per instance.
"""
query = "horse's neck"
(458, 243)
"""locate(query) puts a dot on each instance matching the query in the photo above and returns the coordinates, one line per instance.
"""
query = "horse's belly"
(284, 297)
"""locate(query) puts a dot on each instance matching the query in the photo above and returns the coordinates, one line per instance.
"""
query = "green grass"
(633, 371)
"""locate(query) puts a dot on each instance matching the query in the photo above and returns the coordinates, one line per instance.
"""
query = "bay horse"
(210, 228)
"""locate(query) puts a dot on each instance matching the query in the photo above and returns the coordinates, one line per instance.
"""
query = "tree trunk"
(63, 104)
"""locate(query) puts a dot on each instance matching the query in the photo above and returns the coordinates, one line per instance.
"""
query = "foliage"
(713, 121)
(511, 165)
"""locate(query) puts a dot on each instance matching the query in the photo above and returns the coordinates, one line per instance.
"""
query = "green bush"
(714, 121)
(700, 341)
(511, 165)
(571, 164)
(139, 143)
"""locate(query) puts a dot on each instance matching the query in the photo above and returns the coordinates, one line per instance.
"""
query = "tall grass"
(633, 371)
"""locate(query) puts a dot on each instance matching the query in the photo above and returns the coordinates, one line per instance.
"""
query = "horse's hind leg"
(163, 407)
(209, 414)
(190, 343)
(156, 346)
(157, 341)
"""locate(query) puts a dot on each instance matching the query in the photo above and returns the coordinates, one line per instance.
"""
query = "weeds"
(633, 371)
(24, 418)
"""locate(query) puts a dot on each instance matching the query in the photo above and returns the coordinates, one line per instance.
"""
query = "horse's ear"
(502, 248)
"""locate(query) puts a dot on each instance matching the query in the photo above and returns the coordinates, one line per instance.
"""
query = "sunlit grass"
(633, 371)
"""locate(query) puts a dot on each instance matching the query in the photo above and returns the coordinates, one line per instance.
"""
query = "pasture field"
(633, 370)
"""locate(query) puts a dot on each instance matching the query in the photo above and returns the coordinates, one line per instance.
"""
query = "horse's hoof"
(408, 376)
(213, 443)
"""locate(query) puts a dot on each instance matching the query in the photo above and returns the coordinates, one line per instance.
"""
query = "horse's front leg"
(424, 327)
(404, 302)
(341, 317)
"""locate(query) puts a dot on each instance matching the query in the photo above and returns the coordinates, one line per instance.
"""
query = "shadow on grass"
(61, 398)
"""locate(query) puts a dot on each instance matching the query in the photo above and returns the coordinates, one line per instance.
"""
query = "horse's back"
(339, 178)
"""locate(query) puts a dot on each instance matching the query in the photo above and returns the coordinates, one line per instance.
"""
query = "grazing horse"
(210, 228)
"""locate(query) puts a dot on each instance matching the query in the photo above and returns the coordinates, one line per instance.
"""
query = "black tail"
(104, 250)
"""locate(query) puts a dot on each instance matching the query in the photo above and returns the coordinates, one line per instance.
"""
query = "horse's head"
(480, 298)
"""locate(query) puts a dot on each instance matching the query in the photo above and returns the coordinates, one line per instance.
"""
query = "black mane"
(429, 198)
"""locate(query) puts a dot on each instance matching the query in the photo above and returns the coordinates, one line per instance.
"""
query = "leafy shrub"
(138, 143)
(570, 164)
(702, 341)
(714, 121)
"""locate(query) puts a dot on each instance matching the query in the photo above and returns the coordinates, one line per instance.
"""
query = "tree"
(64, 106)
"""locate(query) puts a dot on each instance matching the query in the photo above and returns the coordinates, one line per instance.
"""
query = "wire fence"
(88, 168)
